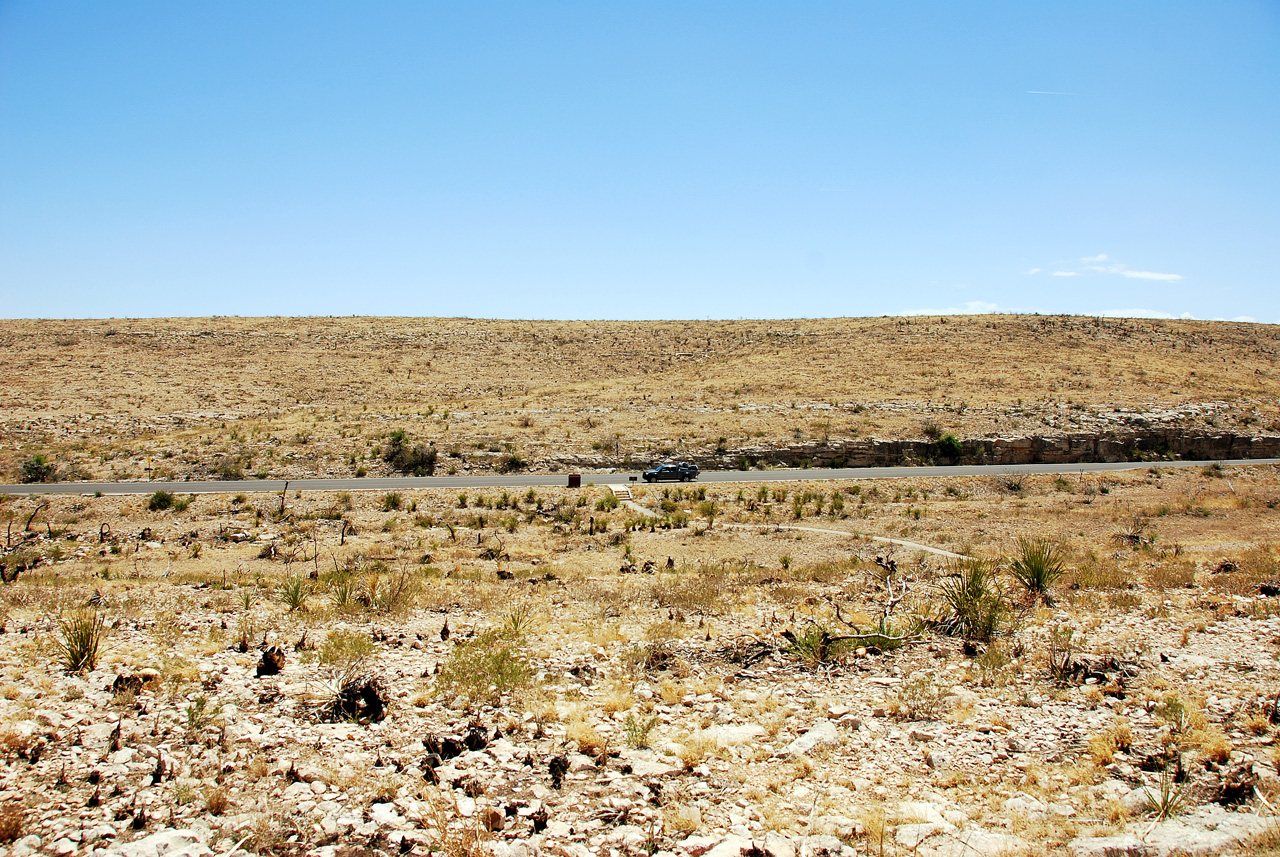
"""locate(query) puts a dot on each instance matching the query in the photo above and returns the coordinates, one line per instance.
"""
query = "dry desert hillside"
(288, 397)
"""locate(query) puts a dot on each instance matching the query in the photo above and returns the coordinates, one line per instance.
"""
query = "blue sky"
(702, 160)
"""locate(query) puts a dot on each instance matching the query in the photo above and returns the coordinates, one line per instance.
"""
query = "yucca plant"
(974, 605)
(81, 638)
(1038, 566)
(294, 593)
(1170, 800)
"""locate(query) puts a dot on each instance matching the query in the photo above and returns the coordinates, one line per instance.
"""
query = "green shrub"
(416, 459)
(201, 714)
(392, 502)
(294, 594)
(344, 648)
(949, 446)
(919, 697)
(163, 500)
(638, 729)
(511, 463)
(486, 668)
(607, 503)
(973, 603)
(1038, 566)
(38, 468)
(81, 637)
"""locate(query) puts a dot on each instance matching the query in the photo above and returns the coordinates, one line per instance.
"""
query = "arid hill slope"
(317, 395)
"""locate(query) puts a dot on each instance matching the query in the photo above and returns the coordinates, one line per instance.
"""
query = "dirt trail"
(631, 504)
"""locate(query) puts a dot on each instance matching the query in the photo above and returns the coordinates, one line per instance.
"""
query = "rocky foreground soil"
(530, 675)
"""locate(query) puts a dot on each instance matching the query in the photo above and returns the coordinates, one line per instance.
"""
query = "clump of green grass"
(1038, 566)
(343, 648)
(294, 593)
(81, 639)
(973, 604)
(637, 730)
(486, 668)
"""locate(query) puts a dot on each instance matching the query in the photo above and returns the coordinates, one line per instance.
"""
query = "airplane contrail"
(1045, 92)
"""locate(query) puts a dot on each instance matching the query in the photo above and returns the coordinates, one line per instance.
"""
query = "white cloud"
(1151, 275)
(1104, 264)
(1032, 271)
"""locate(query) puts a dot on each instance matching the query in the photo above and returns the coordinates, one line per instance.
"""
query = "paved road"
(549, 480)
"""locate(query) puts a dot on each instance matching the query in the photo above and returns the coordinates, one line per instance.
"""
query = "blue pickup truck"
(682, 472)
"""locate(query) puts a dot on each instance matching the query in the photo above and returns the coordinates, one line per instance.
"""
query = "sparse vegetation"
(973, 604)
(80, 641)
(343, 648)
(486, 668)
(402, 456)
(1038, 565)
(514, 612)
(38, 468)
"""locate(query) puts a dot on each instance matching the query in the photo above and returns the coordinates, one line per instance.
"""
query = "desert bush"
(231, 467)
(590, 742)
(1062, 645)
(163, 500)
(607, 503)
(392, 502)
(416, 459)
(919, 697)
(973, 604)
(486, 668)
(1182, 714)
(38, 468)
(1170, 798)
(294, 593)
(1037, 566)
(393, 594)
(510, 463)
(949, 447)
(815, 645)
(216, 800)
(703, 592)
(342, 591)
(343, 648)
(519, 619)
(200, 714)
(637, 730)
(81, 638)
(1011, 483)
(1095, 572)
(1180, 574)
(12, 822)
(1243, 576)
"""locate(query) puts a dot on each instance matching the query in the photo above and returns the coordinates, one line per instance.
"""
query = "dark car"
(682, 472)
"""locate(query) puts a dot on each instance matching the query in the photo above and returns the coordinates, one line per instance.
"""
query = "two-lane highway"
(551, 480)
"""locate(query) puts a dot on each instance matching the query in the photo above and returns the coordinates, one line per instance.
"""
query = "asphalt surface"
(551, 480)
